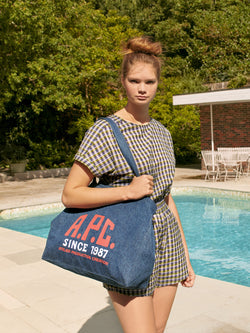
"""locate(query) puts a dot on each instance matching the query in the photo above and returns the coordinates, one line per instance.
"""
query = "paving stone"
(36, 296)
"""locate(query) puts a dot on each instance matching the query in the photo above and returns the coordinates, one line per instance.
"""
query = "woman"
(139, 311)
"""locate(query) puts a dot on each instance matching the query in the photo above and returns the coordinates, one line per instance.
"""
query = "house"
(224, 117)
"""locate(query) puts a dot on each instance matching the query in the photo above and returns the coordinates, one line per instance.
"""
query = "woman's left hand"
(189, 281)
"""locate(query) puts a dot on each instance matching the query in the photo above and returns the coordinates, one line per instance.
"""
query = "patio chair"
(230, 164)
(211, 162)
(244, 159)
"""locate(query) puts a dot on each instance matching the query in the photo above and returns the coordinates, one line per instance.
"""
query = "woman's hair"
(141, 49)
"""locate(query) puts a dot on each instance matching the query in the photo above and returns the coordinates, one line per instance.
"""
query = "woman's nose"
(142, 88)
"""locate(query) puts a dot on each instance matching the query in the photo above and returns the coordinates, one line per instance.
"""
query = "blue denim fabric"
(114, 244)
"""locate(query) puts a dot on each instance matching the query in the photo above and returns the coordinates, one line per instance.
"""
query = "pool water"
(217, 231)
(33, 225)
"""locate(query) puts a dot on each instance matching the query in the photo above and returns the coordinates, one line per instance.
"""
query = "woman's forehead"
(142, 69)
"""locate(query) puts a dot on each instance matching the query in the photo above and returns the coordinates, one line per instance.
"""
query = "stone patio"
(36, 296)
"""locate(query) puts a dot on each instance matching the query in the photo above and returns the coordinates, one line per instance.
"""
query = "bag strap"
(123, 145)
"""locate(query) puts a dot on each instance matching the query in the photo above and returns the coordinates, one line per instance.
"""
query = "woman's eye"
(138, 81)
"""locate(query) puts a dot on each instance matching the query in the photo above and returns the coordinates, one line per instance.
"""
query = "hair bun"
(143, 45)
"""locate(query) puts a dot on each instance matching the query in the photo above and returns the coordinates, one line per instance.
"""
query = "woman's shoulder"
(159, 126)
(100, 126)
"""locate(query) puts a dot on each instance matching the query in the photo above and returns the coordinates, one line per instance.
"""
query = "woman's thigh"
(163, 299)
(136, 314)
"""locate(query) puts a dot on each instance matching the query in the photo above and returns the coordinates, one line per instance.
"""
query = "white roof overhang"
(214, 97)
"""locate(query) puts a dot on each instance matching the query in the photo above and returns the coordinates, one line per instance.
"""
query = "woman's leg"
(163, 299)
(136, 314)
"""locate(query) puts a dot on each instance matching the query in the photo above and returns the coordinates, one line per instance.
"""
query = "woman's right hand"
(140, 187)
(78, 194)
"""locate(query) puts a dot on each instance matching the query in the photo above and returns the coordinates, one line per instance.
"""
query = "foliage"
(50, 154)
(237, 82)
(182, 122)
(59, 69)
(206, 36)
(204, 41)
(12, 153)
(60, 60)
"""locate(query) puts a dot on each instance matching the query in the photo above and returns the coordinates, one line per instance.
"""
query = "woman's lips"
(141, 98)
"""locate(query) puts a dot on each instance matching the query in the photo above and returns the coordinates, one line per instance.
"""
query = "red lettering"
(100, 260)
(81, 254)
(93, 226)
(76, 226)
(63, 249)
(105, 241)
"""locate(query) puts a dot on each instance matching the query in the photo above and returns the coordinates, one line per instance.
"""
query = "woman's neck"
(137, 116)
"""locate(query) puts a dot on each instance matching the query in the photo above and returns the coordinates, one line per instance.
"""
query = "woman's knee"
(160, 328)
(163, 300)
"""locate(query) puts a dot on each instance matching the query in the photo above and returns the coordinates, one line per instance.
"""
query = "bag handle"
(123, 145)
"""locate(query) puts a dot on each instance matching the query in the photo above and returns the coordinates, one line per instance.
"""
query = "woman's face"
(140, 84)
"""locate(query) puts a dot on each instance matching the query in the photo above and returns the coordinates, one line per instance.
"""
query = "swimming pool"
(217, 230)
(216, 226)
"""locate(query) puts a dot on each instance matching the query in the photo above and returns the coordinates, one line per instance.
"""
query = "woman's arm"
(189, 282)
(77, 194)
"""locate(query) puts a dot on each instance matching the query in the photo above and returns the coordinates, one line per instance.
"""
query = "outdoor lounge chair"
(230, 163)
(243, 157)
(211, 162)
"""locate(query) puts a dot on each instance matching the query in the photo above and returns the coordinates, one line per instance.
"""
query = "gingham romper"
(152, 148)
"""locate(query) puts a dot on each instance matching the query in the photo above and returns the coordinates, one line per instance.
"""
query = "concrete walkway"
(36, 296)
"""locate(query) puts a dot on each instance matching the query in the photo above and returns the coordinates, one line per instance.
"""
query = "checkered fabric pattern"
(152, 148)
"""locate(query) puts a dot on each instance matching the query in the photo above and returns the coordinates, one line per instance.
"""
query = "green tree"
(208, 38)
(182, 122)
(205, 38)
(204, 41)
(59, 72)
(59, 66)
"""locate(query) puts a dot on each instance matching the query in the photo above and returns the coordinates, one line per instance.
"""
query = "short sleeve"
(98, 149)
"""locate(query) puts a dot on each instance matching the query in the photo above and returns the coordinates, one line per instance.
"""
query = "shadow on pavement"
(104, 321)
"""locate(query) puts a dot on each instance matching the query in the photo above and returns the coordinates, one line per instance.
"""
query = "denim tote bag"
(114, 244)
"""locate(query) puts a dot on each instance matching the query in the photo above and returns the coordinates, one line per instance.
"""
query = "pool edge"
(48, 208)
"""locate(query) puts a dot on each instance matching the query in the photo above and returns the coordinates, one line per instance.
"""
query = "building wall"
(231, 125)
